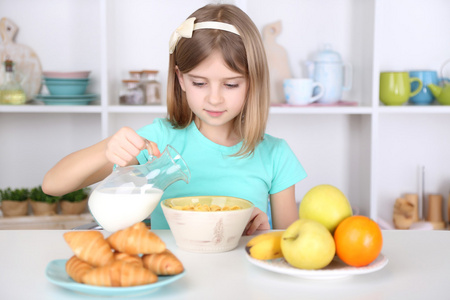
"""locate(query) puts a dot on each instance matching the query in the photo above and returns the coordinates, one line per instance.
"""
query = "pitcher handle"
(310, 68)
(348, 78)
(418, 89)
(443, 78)
(151, 155)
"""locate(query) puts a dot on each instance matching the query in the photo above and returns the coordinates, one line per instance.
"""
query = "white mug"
(299, 91)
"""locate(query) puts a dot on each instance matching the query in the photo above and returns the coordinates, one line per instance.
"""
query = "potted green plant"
(41, 203)
(14, 202)
(74, 203)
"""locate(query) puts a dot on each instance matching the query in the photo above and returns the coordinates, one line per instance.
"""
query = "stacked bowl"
(66, 88)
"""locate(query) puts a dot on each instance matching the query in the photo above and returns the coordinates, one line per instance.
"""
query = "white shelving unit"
(370, 151)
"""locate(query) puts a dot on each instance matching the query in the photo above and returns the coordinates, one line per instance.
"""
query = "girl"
(218, 105)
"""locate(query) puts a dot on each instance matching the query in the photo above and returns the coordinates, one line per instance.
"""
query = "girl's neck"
(222, 135)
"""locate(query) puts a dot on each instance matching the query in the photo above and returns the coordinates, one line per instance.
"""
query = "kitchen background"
(373, 153)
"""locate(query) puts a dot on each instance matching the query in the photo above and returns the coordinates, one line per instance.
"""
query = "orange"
(358, 241)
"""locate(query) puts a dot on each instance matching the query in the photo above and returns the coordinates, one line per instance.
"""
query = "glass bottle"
(11, 92)
(131, 92)
(151, 86)
(135, 75)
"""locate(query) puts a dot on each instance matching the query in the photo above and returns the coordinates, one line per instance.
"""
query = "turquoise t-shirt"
(272, 168)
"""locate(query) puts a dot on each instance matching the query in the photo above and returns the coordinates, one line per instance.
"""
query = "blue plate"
(56, 274)
(67, 102)
(67, 99)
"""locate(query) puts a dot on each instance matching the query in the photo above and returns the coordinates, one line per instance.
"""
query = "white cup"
(299, 91)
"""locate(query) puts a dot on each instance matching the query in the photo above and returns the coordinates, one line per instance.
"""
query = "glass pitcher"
(130, 194)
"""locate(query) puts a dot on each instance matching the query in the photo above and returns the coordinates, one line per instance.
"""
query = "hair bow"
(187, 27)
(184, 30)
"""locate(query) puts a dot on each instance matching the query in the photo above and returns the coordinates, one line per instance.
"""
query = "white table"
(418, 268)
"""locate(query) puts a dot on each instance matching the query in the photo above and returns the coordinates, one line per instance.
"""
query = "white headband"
(187, 27)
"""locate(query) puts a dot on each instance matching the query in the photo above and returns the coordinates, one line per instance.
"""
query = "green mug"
(395, 87)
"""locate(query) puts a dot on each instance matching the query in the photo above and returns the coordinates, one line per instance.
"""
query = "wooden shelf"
(370, 151)
(50, 108)
(45, 222)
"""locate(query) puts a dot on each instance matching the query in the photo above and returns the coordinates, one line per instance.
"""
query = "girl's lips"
(214, 113)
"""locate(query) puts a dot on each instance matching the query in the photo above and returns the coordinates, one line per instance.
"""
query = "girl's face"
(215, 93)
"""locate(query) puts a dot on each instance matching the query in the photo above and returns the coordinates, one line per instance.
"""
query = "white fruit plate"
(336, 269)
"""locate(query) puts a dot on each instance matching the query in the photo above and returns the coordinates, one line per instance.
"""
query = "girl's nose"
(215, 95)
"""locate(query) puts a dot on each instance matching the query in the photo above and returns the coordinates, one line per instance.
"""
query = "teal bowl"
(66, 88)
(65, 80)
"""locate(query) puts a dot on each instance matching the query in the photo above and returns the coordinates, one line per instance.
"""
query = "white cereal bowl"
(207, 231)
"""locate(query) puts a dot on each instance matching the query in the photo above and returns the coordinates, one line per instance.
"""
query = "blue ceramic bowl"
(67, 87)
(65, 80)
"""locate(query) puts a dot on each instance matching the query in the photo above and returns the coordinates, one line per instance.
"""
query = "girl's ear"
(180, 78)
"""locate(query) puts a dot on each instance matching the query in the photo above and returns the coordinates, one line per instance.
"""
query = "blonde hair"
(243, 53)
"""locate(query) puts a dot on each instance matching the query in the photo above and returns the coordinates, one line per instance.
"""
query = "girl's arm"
(78, 170)
(284, 212)
(284, 208)
(93, 164)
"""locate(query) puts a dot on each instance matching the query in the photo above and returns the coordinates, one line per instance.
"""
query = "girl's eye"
(198, 83)
(229, 85)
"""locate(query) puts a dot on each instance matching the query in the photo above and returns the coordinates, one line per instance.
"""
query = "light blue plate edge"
(66, 102)
(66, 97)
(56, 274)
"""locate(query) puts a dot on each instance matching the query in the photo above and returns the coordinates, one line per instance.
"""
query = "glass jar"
(11, 92)
(131, 92)
(135, 75)
(151, 86)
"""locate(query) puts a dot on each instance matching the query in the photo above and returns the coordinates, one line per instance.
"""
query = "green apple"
(307, 244)
(325, 204)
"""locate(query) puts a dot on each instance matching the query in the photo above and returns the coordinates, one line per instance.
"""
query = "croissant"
(90, 246)
(119, 273)
(165, 263)
(76, 268)
(136, 239)
(129, 258)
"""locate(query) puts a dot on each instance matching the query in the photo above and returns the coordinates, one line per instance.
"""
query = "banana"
(265, 246)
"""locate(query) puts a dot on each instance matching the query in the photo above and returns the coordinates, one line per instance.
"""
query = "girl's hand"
(123, 147)
(258, 221)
